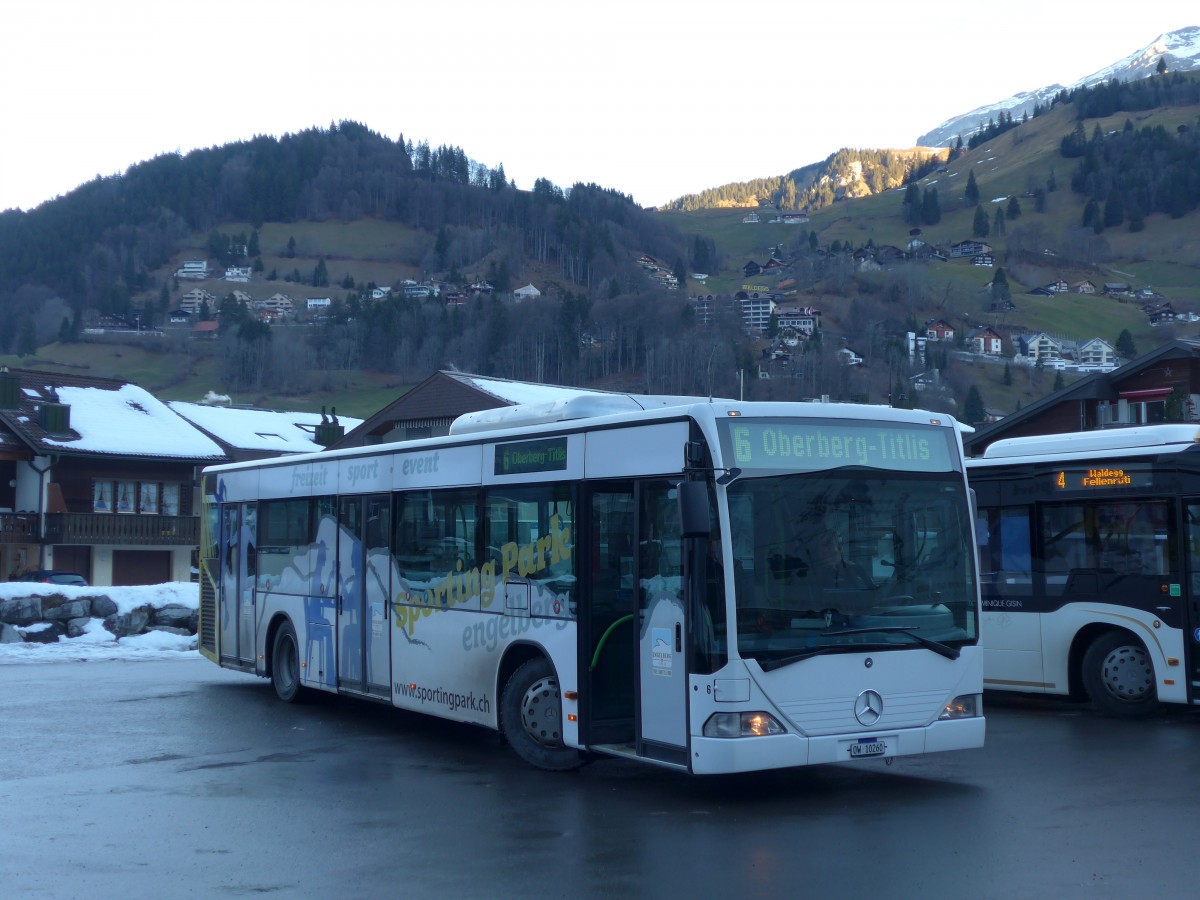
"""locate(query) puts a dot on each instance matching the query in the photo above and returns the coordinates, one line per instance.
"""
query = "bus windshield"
(851, 559)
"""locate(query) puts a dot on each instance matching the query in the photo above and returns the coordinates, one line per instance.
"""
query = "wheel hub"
(541, 712)
(1127, 673)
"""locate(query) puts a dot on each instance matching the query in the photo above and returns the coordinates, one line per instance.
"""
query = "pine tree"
(981, 227)
(971, 195)
(973, 411)
(1008, 379)
(1125, 346)
(931, 212)
(1000, 288)
(1014, 208)
(912, 203)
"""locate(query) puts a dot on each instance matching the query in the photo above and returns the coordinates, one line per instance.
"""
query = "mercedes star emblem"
(868, 707)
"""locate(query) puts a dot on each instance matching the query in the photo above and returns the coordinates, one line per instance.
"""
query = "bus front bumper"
(711, 756)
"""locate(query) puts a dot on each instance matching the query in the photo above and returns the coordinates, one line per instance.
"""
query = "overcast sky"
(654, 99)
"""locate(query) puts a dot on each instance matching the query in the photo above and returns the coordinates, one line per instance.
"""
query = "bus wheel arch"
(530, 711)
(1117, 674)
(283, 661)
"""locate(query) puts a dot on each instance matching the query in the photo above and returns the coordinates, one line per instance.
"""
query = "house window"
(149, 498)
(125, 496)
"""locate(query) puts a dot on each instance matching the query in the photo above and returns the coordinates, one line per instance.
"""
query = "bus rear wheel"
(285, 665)
(1119, 676)
(531, 717)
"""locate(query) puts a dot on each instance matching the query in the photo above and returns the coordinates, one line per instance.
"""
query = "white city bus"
(620, 581)
(1090, 562)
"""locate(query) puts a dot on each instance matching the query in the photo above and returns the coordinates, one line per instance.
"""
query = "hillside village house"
(1039, 348)
(939, 330)
(193, 270)
(756, 311)
(527, 293)
(986, 341)
(1096, 352)
(1161, 386)
(801, 319)
(193, 300)
(968, 249)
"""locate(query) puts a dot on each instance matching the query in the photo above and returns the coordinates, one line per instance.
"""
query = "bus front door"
(608, 619)
(662, 629)
(632, 634)
(1191, 515)
(364, 661)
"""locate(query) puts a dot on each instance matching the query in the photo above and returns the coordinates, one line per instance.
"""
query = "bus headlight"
(747, 724)
(965, 707)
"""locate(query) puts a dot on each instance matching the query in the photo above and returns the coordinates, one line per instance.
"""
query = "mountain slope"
(1180, 50)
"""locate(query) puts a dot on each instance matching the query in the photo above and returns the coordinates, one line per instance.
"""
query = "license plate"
(868, 747)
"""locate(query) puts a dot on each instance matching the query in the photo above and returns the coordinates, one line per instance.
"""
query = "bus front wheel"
(285, 664)
(1119, 676)
(531, 717)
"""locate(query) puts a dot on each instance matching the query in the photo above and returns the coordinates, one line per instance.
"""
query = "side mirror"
(695, 514)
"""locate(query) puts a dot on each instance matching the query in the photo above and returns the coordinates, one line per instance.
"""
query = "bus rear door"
(364, 660)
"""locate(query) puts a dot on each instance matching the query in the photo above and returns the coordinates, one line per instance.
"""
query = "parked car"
(51, 576)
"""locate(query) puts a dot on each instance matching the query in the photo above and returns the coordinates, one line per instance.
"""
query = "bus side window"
(1004, 552)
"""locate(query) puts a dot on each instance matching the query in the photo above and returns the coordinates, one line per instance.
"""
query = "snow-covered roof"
(258, 429)
(130, 421)
(521, 392)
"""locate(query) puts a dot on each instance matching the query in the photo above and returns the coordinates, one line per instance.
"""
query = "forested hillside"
(844, 175)
(101, 245)
(107, 250)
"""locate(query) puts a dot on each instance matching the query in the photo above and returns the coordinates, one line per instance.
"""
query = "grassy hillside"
(1165, 256)
(174, 368)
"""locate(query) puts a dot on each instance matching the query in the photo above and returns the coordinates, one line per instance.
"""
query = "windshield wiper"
(768, 665)
(936, 646)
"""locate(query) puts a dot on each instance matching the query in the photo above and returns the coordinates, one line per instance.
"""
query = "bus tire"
(531, 717)
(1119, 676)
(285, 665)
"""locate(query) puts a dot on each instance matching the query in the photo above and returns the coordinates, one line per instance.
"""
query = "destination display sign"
(1102, 478)
(524, 457)
(812, 445)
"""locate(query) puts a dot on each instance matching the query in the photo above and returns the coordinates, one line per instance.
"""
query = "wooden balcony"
(18, 528)
(108, 528)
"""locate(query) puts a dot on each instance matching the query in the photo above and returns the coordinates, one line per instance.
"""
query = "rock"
(10, 635)
(21, 610)
(70, 609)
(130, 623)
(103, 607)
(175, 616)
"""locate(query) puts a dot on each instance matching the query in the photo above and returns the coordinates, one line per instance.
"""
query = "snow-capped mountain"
(1180, 49)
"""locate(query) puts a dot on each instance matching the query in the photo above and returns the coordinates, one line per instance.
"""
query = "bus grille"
(208, 607)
